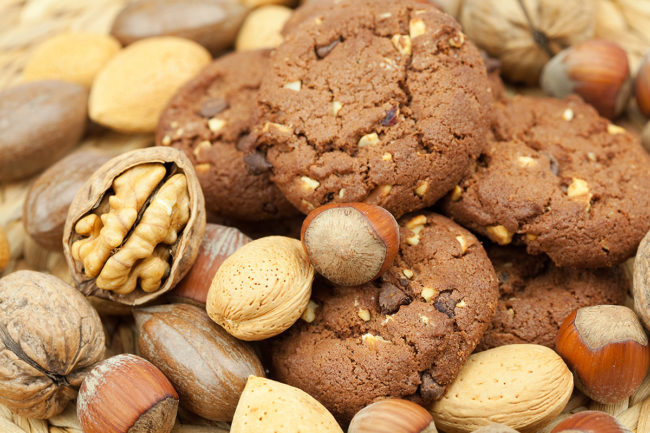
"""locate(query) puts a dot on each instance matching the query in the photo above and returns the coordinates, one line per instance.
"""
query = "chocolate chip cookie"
(209, 119)
(406, 335)
(377, 101)
(561, 180)
(536, 296)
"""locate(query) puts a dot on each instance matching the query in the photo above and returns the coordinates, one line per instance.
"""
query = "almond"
(524, 386)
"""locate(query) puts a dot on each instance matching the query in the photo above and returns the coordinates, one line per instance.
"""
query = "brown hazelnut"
(49, 197)
(392, 416)
(134, 228)
(173, 337)
(590, 421)
(597, 70)
(642, 86)
(41, 122)
(126, 394)
(645, 137)
(350, 243)
(218, 243)
(49, 338)
(5, 250)
(607, 349)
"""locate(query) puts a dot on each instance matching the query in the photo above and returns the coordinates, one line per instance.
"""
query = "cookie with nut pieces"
(559, 179)
(209, 119)
(536, 296)
(406, 335)
(374, 101)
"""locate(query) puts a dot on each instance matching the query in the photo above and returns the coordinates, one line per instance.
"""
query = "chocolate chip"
(555, 166)
(257, 163)
(429, 389)
(212, 107)
(246, 143)
(391, 117)
(445, 304)
(270, 208)
(324, 50)
(391, 298)
(403, 282)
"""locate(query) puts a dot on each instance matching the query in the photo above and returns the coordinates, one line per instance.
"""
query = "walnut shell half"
(134, 228)
(50, 338)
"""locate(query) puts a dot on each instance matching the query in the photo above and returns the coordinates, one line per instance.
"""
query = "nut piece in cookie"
(262, 289)
(350, 244)
(607, 349)
(134, 229)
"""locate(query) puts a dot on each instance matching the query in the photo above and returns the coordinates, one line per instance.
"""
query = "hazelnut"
(5, 251)
(126, 394)
(597, 70)
(270, 406)
(392, 416)
(352, 243)
(590, 421)
(50, 337)
(262, 289)
(173, 337)
(645, 137)
(642, 86)
(607, 349)
(219, 242)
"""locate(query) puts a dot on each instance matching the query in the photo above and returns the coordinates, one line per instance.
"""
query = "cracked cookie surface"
(560, 179)
(536, 296)
(374, 100)
(406, 335)
(209, 119)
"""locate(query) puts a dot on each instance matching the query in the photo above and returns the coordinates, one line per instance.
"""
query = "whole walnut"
(525, 35)
(50, 337)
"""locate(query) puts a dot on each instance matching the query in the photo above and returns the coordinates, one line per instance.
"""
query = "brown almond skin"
(593, 370)
(218, 243)
(49, 197)
(183, 252)
(212, 23)
(126, 394)
(207, 366)
(41, 122)
(590, 421)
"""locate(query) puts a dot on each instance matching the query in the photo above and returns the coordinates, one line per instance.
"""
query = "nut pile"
(473, 253)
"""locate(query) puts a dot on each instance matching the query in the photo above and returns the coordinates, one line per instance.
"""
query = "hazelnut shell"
(392, 416)
(342, 230)
(184, 250)
(126, 394)
(642, 86)
(590, 421)
(607, 349)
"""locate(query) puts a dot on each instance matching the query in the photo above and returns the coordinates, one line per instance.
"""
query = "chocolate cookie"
(536, 296)
(560, 179)
(406, 335)
(376, 101)
(209, 118)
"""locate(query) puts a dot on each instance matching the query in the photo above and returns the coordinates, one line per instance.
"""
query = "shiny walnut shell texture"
(50, 338)
(90, 195)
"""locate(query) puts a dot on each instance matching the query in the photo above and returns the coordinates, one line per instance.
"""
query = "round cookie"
(559, 179)
(536, 296)
(377, 101)
(209, 119)
(406, 335)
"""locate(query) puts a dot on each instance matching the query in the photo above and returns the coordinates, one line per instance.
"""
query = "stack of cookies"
(386, 102)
